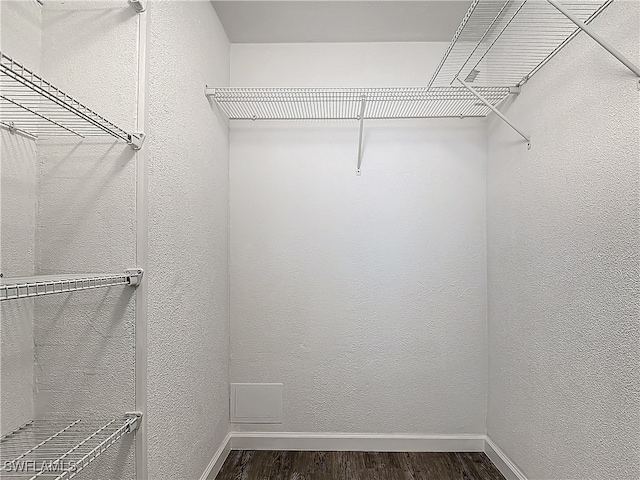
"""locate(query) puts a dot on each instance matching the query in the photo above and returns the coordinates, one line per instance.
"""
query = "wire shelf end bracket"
(136, 140)
(133, 421)
(134, 276)
(138, 5)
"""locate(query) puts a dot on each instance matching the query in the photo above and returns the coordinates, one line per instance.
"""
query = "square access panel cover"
(256, 403)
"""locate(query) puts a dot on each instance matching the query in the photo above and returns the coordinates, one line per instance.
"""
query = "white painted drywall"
(188, 412)
(365, 296)
(20, 23)
(563, 270)
(334, 65)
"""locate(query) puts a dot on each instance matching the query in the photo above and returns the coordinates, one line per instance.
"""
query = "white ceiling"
(266, 21)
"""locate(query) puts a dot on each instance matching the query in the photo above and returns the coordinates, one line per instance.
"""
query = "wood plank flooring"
(287, 465)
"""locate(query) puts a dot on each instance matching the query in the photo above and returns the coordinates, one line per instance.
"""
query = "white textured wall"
(20, 23)
(188, 413)
(334, 64)
(365, 296)
(563, 238)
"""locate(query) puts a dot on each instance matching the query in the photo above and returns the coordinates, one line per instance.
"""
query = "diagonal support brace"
(496, 111)
(591, 32)
(363, 104)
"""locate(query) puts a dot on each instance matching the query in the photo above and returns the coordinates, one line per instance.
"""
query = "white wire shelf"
(60, 449)
(505, 42)
(36, 108)
(347, 103)
(26, 287)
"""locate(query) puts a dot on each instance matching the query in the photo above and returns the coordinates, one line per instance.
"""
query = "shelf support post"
(363, 104)
(591, 32)
(496, 111)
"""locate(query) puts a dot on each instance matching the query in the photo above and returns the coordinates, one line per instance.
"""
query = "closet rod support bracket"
(591, 32)
(135, 276)
(496, 111)
(135, 418)
(136, 140)
(138, 5)
(363, 104)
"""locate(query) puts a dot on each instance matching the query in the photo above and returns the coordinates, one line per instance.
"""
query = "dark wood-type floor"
(285, 465)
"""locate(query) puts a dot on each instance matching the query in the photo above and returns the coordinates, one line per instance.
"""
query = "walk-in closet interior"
(320, 240)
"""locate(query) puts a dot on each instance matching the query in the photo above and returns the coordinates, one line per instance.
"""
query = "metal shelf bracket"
(138, 5)
(136, 140)
(591, 32)
(497, 112)
(135, 419)
(363, 104)
(135, 276)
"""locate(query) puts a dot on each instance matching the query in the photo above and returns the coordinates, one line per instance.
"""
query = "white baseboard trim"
(502, 462)
(359, 442)
(215, 465)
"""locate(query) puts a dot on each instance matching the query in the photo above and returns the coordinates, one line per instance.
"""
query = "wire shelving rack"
(498, 46)
(60, 449)
(34, 107)
(353, 103)
(26, 287)
(505, 42)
